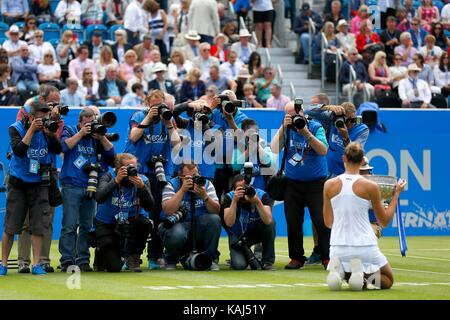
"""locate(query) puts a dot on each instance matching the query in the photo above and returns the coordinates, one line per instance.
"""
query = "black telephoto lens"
(229, 106)
(165, 112)
(339, 122)
(132, 171)
(113, 137)
(51, 125)
(63, 110)
(201, 117)
(299, 121)
(250, 191)
(199, 180)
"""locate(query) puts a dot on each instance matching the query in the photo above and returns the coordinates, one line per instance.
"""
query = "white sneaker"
(334, 279)
(356, 281)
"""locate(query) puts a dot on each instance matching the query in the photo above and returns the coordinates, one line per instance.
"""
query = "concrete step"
(283, 60)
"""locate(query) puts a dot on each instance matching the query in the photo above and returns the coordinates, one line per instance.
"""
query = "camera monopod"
(196, 260)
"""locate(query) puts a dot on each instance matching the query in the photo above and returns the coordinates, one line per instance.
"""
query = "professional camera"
(113, 137)
(49, 124)
(63, 110)
(242, 245)
(199, 180)
(132, 171)
(92, 170)
(339, 121)
(171, 220)
(44, 172)
(102, 122)
(249, 190)
(298, 104)
(299, 121)
(157, 162)
(228, 105)
(199, 116)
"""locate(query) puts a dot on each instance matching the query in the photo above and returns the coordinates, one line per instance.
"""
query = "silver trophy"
(386, 184)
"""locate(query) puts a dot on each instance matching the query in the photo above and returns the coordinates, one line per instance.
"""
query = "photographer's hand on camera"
(85, 130)
(338, 110)
(137, 181)
(37, 125)
(287, 121)
(188, 184)
(121, 174)
(54, 114)
(200, 191)
(239, 194)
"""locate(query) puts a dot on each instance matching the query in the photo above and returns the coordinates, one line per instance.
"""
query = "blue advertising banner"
(416, 147)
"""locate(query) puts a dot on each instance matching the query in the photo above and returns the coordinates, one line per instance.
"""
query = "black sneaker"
(85, 267)
(268, 266)
(23, 268)
(48, 268)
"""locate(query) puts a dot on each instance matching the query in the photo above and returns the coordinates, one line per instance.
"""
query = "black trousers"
(298, 196)
(111, 246)
(155, 246)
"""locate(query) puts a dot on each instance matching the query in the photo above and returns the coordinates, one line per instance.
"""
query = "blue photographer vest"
(245, 220)
(337, 148)
(200, 208)
(228, 139)
(303, 163)
(206, 166)
(76, 158)
(121, 200)
(37, 153)
(154, 141)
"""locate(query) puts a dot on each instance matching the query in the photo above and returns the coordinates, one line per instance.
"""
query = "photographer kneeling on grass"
(176, 230)
(248, 215)
(121, 224)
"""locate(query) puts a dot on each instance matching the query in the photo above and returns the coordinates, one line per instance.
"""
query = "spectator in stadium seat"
(410, 9)
(138, 77)
(111, 89)
(120, 46)
(49, 71)
(92, 12)
(442, 40)
(445, 15)
(155, 57)
(126, 68)
(191, 50)
(255, 67)
(218, 49)
(404, 24)
(89, 87)
(8, 96)
(14, 10)
(221, 82)
(426, 73)
(333, 45)
(41, 10)
(387, 9)
(441, 76)
(243, 77)
(398, 72)
(135, 22)
(144, 49)
(301, 28)
(68, 12)
(204, 61)
(263, 84)
(204, 18)
(181, 21)
(430, 52)
(363, 15)
(406, 49)
(71, 96)
(277, 100)
(231, 68)
(82, 62)
(39, 47)
(243, 48)
(362, 77)
(29, 29)
(105, 59)
(210, 94)
(368, 42)
(134, 98)
(160, 83)
(414, 92)
(12, 44)
(249, 98)
(178, 67)
(223, 17)
(158, 24)
(390, 38)
(346, 39)
(192, 87)
(428, 13)
(24, 71)
(378, 71)
(230, 31)
(95, 45)
(335, 15)
(418, 33)
(115, 10)
(65, 52)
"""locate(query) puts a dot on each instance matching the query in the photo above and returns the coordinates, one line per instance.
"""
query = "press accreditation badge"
(416, 92)
(296, 159)
(80, 162)
(34, 166)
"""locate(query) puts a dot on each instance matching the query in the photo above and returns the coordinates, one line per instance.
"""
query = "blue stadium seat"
(76, 28)
(53, 5)
(20, 24)
(113, 29)
(2, 40)
(3, 28)
(91, 28)
(51, 30)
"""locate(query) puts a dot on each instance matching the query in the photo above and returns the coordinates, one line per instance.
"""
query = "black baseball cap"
(305, 6)
(39, 106)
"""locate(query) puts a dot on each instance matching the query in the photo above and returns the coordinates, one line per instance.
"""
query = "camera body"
(171, 220)
(299, 121)
(49, 124)
(339, 121)
(200, 116)
(199, 180)
(242, 245)
(228, 105)
(298, 104)
(157, 163)
(132, 170)
(102, 122)
(249, 190)
(92, 169)
(63, 110)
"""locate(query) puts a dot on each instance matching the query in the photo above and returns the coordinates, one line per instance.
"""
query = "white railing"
(311, 32)
(352, 79)
(255, 38)
(292, 88)
(323, 52)
(242, 23)
(231, 8)
(268, 58)
(280, 74)
(339, 62)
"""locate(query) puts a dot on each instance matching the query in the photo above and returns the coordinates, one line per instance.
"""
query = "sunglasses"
(38, 36)
(139, 70)
(87, 73)
(48, 56)
(32, 22)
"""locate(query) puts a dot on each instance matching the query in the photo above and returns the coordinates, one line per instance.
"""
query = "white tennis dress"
(352, 236)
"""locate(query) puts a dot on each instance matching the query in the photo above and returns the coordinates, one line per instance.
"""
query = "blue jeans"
(304, 40)
(27, 85)
(77, 212)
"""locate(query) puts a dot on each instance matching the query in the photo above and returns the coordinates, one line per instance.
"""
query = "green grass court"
(423, 274)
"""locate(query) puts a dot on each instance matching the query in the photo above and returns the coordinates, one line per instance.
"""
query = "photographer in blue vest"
(176, 229)
(228, 122)
(305, 172)
(121, 224)
(33, 142)
(151, 138)
(85, 154)
(343, 127)
(197, 134)
(248, 216)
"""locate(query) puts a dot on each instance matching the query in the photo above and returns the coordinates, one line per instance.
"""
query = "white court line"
(422, 271)
(417, 257)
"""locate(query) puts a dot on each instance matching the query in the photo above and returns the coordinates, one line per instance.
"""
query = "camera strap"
(286, 147)
(192, 203)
